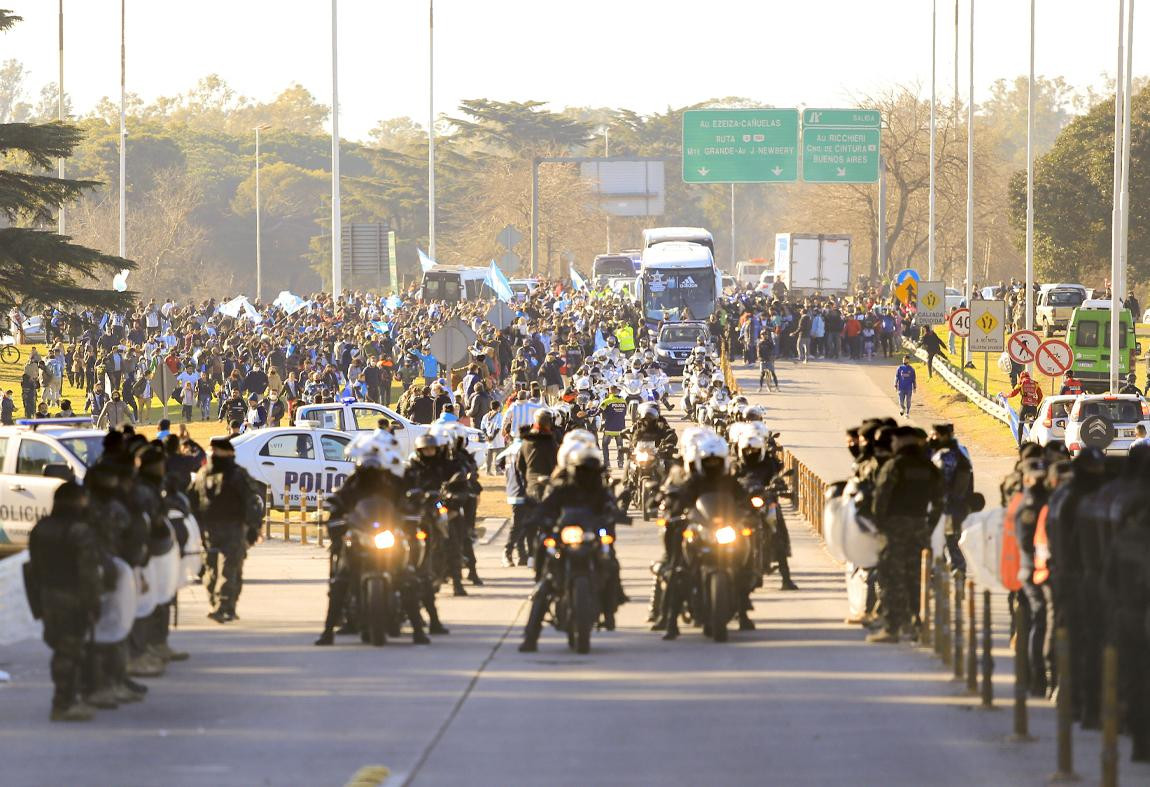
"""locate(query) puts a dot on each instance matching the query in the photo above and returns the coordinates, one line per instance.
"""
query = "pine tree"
(38, 267)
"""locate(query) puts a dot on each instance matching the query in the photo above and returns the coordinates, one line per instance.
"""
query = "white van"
(751, 271)
(455, 283)
(36, 456)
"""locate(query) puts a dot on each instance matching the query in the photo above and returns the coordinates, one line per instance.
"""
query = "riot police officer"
(230, 512)
(66, 572)
(957, 481)
(907, 505)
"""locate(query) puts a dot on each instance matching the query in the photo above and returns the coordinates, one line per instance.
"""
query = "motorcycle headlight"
(384, 540)
(642, 456)
(757, 501)
(571, 534)
(725, 535)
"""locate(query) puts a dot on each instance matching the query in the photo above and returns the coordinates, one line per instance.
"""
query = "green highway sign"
(841, 145)
(740, 145)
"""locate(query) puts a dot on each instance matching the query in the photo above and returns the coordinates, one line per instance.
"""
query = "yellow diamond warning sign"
(931, 303)
(987, 328)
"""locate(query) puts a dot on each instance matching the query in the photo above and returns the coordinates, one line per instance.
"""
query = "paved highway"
(800, 700)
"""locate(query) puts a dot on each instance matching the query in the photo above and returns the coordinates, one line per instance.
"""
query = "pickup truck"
(355, 416)
(1055, 304)
(36, 456)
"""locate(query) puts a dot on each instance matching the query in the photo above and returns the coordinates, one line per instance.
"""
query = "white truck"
(811, 264)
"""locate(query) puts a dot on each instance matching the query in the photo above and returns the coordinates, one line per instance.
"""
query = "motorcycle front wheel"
(582, 616)
(376, 598)
(720, 611)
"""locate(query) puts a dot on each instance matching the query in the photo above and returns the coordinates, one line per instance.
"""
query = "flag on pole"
(120, 281)
(577, 281)
(425, 262)
(499, 284)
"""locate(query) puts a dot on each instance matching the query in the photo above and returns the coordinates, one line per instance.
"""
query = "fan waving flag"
(499, 284)
(577, 281)
(425, 262)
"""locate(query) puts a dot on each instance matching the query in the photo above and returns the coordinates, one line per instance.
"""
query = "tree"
(1073, 197)
(13, 107)
(37, 266)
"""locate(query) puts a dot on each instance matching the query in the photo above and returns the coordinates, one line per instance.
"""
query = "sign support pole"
(970, 174)
(733, 256)
(880, 265)
(985, 374)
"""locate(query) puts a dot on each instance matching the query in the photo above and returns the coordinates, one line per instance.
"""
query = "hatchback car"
(1050, 423)
(1106, 422)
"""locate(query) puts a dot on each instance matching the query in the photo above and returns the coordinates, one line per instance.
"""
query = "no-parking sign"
(1054, 358)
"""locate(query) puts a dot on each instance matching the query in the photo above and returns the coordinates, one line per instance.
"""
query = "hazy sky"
(642, 54)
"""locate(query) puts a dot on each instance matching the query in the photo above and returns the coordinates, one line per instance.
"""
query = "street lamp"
(259, 258)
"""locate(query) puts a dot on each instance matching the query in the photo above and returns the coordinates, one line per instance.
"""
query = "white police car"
(295, 461)
(36, 456)
(354, 416)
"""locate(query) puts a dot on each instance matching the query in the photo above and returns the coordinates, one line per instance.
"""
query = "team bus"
(678, 281)
(455, 283)
(657, 235)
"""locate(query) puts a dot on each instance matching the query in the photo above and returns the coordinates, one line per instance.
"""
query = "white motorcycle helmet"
(704, 451)
(576, 445)
(367, 448)
(752, 443)
(391, 461)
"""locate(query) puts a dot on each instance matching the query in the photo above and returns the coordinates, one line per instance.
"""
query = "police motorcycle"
(578, 579)
(384, 554)
(646, 468)
(766, 512)
(718, 535)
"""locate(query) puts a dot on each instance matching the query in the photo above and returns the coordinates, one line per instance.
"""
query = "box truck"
(810, 264)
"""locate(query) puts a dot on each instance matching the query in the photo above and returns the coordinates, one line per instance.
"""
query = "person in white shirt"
(1140, 437)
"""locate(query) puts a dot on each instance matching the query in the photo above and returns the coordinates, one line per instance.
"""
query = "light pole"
(1030, 182)
(933, 104)
(970, 180)
(607, 154)
(259, 257)
(60, 111)
(431, 128)
(336, 213)
(123, 141)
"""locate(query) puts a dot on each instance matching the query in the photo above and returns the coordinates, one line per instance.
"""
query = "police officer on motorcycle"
(758, 465)
(577, 482)
(705, 470)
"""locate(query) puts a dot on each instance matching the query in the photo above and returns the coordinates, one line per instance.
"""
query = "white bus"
(454, 283)
(657, 235)
(678, 281)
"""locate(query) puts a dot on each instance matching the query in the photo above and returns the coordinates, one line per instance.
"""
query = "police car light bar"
(34, 422)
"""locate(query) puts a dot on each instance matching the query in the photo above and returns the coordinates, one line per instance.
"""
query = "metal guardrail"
(958, 381)
(808, 491)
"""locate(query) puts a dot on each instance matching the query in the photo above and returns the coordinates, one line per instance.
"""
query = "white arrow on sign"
(778, 171)
(704, 171)
(842, 172)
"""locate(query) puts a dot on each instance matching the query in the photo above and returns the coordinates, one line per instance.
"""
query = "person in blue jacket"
(906, 384)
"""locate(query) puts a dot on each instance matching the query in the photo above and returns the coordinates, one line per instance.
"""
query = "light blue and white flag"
(425, 262)
(120, 281)
(289, 302)
(577, 281)
(499, 284)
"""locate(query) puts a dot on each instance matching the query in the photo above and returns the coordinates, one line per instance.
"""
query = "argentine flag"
(499, 284)
(425, 262)
(577, 281)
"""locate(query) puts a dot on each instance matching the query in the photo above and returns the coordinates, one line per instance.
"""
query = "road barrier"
(287, 517)
(808, 491)
(1021, 673)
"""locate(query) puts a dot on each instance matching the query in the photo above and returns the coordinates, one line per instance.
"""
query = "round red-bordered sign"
(1023, 345)
(1054, 358)
(959, 322)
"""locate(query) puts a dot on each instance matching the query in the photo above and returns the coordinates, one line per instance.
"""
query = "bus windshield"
(680, 293)
(440, 288)
(613, 266)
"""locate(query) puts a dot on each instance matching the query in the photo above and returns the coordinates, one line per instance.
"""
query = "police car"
(355, 416)
(295, 461)
(36, 456)
(1106, 422)
(1050, 423)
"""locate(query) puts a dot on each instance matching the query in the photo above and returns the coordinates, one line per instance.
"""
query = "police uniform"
(907, 503)
(227, 508)
(65, 569)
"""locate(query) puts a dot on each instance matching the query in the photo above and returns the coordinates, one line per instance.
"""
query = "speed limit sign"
(959, 323)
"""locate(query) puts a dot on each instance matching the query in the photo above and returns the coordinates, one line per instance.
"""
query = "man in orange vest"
(1031, 398)
(1071, 385)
